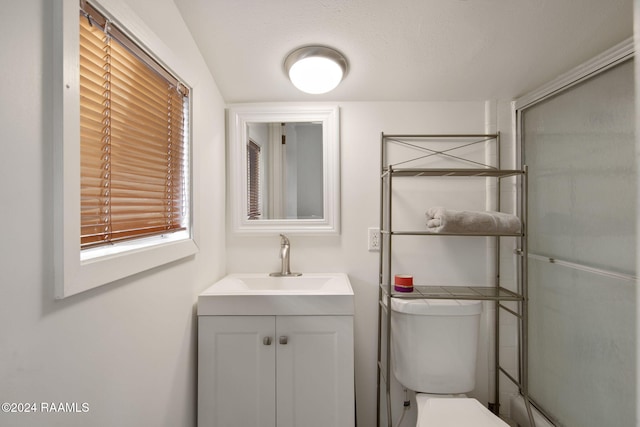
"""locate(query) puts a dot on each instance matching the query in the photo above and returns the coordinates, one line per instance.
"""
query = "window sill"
(88, 271)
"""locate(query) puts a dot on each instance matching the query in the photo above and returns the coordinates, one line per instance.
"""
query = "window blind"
(253, 180)
(133, 139)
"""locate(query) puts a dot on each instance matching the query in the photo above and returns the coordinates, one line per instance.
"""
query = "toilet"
(433, 352)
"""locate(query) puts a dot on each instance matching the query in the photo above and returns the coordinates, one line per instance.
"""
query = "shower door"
(579, 146)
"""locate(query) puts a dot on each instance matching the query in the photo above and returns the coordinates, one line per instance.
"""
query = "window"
(122, 163)
(132, 138)
(254, 199)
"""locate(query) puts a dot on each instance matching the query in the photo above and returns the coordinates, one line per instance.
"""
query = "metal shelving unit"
(424, 148)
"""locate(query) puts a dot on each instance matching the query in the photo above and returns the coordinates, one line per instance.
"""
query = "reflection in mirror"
(284, 171)
(284, 168)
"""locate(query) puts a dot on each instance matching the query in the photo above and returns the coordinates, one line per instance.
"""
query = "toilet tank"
(434, 344)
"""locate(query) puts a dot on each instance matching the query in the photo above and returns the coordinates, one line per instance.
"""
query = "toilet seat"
(454, 412)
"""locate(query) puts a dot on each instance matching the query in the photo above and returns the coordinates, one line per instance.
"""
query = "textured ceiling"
(404, 50)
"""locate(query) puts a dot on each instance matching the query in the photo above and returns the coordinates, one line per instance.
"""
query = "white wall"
(361, 125)
(128, 348)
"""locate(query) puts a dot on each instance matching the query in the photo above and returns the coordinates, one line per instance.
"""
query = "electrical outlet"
(373, 242)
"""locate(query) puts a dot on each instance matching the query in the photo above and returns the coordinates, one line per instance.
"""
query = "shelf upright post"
(380, 280)
(389, 230)
(496, 304)
(524, 291)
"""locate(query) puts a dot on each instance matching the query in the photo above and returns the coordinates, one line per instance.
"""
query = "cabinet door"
(315, 371)
(236, 376)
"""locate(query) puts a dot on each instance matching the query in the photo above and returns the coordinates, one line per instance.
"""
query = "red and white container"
(403, 283)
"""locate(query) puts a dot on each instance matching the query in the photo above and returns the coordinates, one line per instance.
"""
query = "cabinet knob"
(284, 339)
(266, 341)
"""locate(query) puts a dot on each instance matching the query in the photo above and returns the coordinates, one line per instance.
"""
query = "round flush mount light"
(315, 69)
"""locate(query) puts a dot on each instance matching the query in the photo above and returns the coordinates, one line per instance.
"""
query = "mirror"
(284, 175)
(284, 168)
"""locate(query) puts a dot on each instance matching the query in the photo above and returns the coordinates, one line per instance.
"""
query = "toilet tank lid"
(437, 307)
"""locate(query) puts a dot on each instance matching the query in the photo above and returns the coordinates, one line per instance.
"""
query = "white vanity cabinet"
(275, 371)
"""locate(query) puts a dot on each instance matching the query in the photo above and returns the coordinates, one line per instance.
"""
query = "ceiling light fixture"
(315, 69)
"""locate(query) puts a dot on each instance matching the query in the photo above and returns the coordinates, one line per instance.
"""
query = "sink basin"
(321, 284)
(280, 284)
(261, 294)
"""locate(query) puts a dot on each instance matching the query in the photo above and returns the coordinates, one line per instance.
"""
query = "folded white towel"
(441, 220)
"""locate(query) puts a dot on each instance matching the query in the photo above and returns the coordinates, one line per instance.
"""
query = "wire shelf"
(463, 172)
(490, 293)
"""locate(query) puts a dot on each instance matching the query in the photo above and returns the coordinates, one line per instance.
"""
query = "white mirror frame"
(238, 118)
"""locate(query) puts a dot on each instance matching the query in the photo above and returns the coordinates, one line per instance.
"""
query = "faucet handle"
(284, 240)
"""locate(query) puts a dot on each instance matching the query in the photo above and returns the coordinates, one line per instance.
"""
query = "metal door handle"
(266, 341)
(284, 339)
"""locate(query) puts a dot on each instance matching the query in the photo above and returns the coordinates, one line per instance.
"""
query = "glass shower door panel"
(582, 341)
(580, 149)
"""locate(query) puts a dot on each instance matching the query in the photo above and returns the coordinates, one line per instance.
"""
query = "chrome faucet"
(285, 251)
